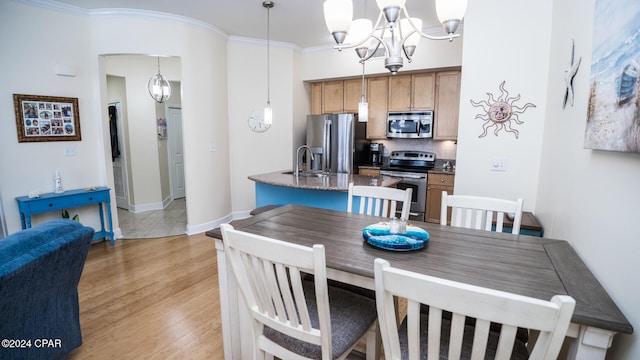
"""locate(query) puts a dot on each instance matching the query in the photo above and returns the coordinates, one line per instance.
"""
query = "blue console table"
(66, 200)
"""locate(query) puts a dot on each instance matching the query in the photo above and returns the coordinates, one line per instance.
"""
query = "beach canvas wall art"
(613, 116)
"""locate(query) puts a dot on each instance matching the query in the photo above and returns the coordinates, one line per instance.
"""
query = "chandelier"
(159, 87)
(395, 30)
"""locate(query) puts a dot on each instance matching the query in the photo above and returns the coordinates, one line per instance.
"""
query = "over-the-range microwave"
(411, 124)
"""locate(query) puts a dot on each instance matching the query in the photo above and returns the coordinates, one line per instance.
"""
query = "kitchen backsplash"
(444, 150)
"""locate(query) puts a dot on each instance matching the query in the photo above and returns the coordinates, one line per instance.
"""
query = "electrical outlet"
(70, 151)
(498, 163)
(213, 148)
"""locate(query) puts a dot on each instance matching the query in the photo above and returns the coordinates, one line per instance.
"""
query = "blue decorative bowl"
(378, 235)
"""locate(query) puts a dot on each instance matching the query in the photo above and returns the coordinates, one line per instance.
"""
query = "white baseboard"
(196, 229)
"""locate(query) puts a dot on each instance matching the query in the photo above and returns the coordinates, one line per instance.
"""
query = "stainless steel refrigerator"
(338, 142)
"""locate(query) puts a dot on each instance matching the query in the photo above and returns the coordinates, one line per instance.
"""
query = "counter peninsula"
(327, 192)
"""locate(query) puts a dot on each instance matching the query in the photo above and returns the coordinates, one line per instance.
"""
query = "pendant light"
(159, 88)
(363, 106)
(268, 113)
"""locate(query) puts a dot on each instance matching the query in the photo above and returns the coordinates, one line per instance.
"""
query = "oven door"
(418, 183)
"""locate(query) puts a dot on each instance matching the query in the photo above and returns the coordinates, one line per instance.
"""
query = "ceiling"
(299, 22)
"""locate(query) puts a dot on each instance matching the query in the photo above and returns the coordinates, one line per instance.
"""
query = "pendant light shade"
(360, 31)
(338, 15)
(363, 106)
(159, 87)
(450, 13)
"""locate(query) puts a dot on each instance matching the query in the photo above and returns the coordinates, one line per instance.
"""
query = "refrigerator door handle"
(326, 159)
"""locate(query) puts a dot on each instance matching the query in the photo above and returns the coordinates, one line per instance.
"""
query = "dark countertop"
(332, 182)
(435, 170)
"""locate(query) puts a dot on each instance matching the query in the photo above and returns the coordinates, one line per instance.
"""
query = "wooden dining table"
(521, 264)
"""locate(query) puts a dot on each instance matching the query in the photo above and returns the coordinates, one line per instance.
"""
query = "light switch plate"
(498, 163)
(70, 151)
(213, 148)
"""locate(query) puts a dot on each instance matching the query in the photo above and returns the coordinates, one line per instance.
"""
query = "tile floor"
(156, 223)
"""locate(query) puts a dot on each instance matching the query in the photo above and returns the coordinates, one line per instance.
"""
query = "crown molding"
(122, 12)
(261, 42)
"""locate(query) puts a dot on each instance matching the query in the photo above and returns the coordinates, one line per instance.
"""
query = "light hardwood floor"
(150, 299)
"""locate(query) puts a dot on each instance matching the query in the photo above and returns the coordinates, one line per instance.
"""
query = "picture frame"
(46, 118)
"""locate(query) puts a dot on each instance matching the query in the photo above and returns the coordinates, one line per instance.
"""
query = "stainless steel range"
(412, 167)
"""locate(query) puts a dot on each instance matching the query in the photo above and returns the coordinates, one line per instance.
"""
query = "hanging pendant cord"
(268, 6)
(362, 98)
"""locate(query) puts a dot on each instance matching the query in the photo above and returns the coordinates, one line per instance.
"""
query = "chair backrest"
(464, 302)
(269, 274)
(477, 212)
(380, 201)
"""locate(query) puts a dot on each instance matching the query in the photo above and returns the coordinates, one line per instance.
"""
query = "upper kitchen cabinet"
(352, 95)
(447, 105)
(377, 95)
(316, 98)
(332, 97)
(412, 92)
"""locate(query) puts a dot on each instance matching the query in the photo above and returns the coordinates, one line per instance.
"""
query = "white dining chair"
(477, 212)
(464, 321)
(293, 318)
(379, 200)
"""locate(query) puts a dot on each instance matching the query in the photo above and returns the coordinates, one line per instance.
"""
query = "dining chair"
(477, 212)
(293, 318)
(445, 330)
(379, 200)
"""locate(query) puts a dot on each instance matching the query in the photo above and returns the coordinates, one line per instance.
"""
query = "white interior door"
(119, 162)
(176, 156)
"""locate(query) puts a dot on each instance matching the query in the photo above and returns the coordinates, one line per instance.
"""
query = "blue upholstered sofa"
(39, 273)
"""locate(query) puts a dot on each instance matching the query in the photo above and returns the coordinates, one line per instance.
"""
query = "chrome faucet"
(303, 147)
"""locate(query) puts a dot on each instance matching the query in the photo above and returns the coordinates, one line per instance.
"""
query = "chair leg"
(374, 343)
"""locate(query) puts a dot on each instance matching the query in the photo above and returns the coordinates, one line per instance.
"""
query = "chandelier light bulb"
(338, 15)
(450, 13)
(359, 33)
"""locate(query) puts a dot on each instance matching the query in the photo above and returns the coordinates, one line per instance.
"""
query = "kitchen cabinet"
(377, 96)
(412, 92)
(336, 96)
(316, 98)
(369, 171)
(447, 105)
(352, 95)
(436, 184)
(332, 97)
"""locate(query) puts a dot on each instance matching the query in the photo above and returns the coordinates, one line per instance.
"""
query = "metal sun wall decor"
(568, 77)
(613, 115)
(500, 112)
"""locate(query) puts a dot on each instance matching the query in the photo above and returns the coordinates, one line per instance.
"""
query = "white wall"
(85, 38)
(143, 146)
(35, 41)
(497, 50)
(254, 153)
(589, 197)
(204, 100)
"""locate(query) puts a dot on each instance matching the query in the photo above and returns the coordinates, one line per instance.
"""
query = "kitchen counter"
(327, 192)
(332, 182)
(440, 170)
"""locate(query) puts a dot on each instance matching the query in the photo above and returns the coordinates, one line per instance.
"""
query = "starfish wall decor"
(568, 77)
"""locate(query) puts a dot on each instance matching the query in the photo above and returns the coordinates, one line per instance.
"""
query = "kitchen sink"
(308, 173)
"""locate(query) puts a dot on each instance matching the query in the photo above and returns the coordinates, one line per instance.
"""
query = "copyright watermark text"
(30, 343)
